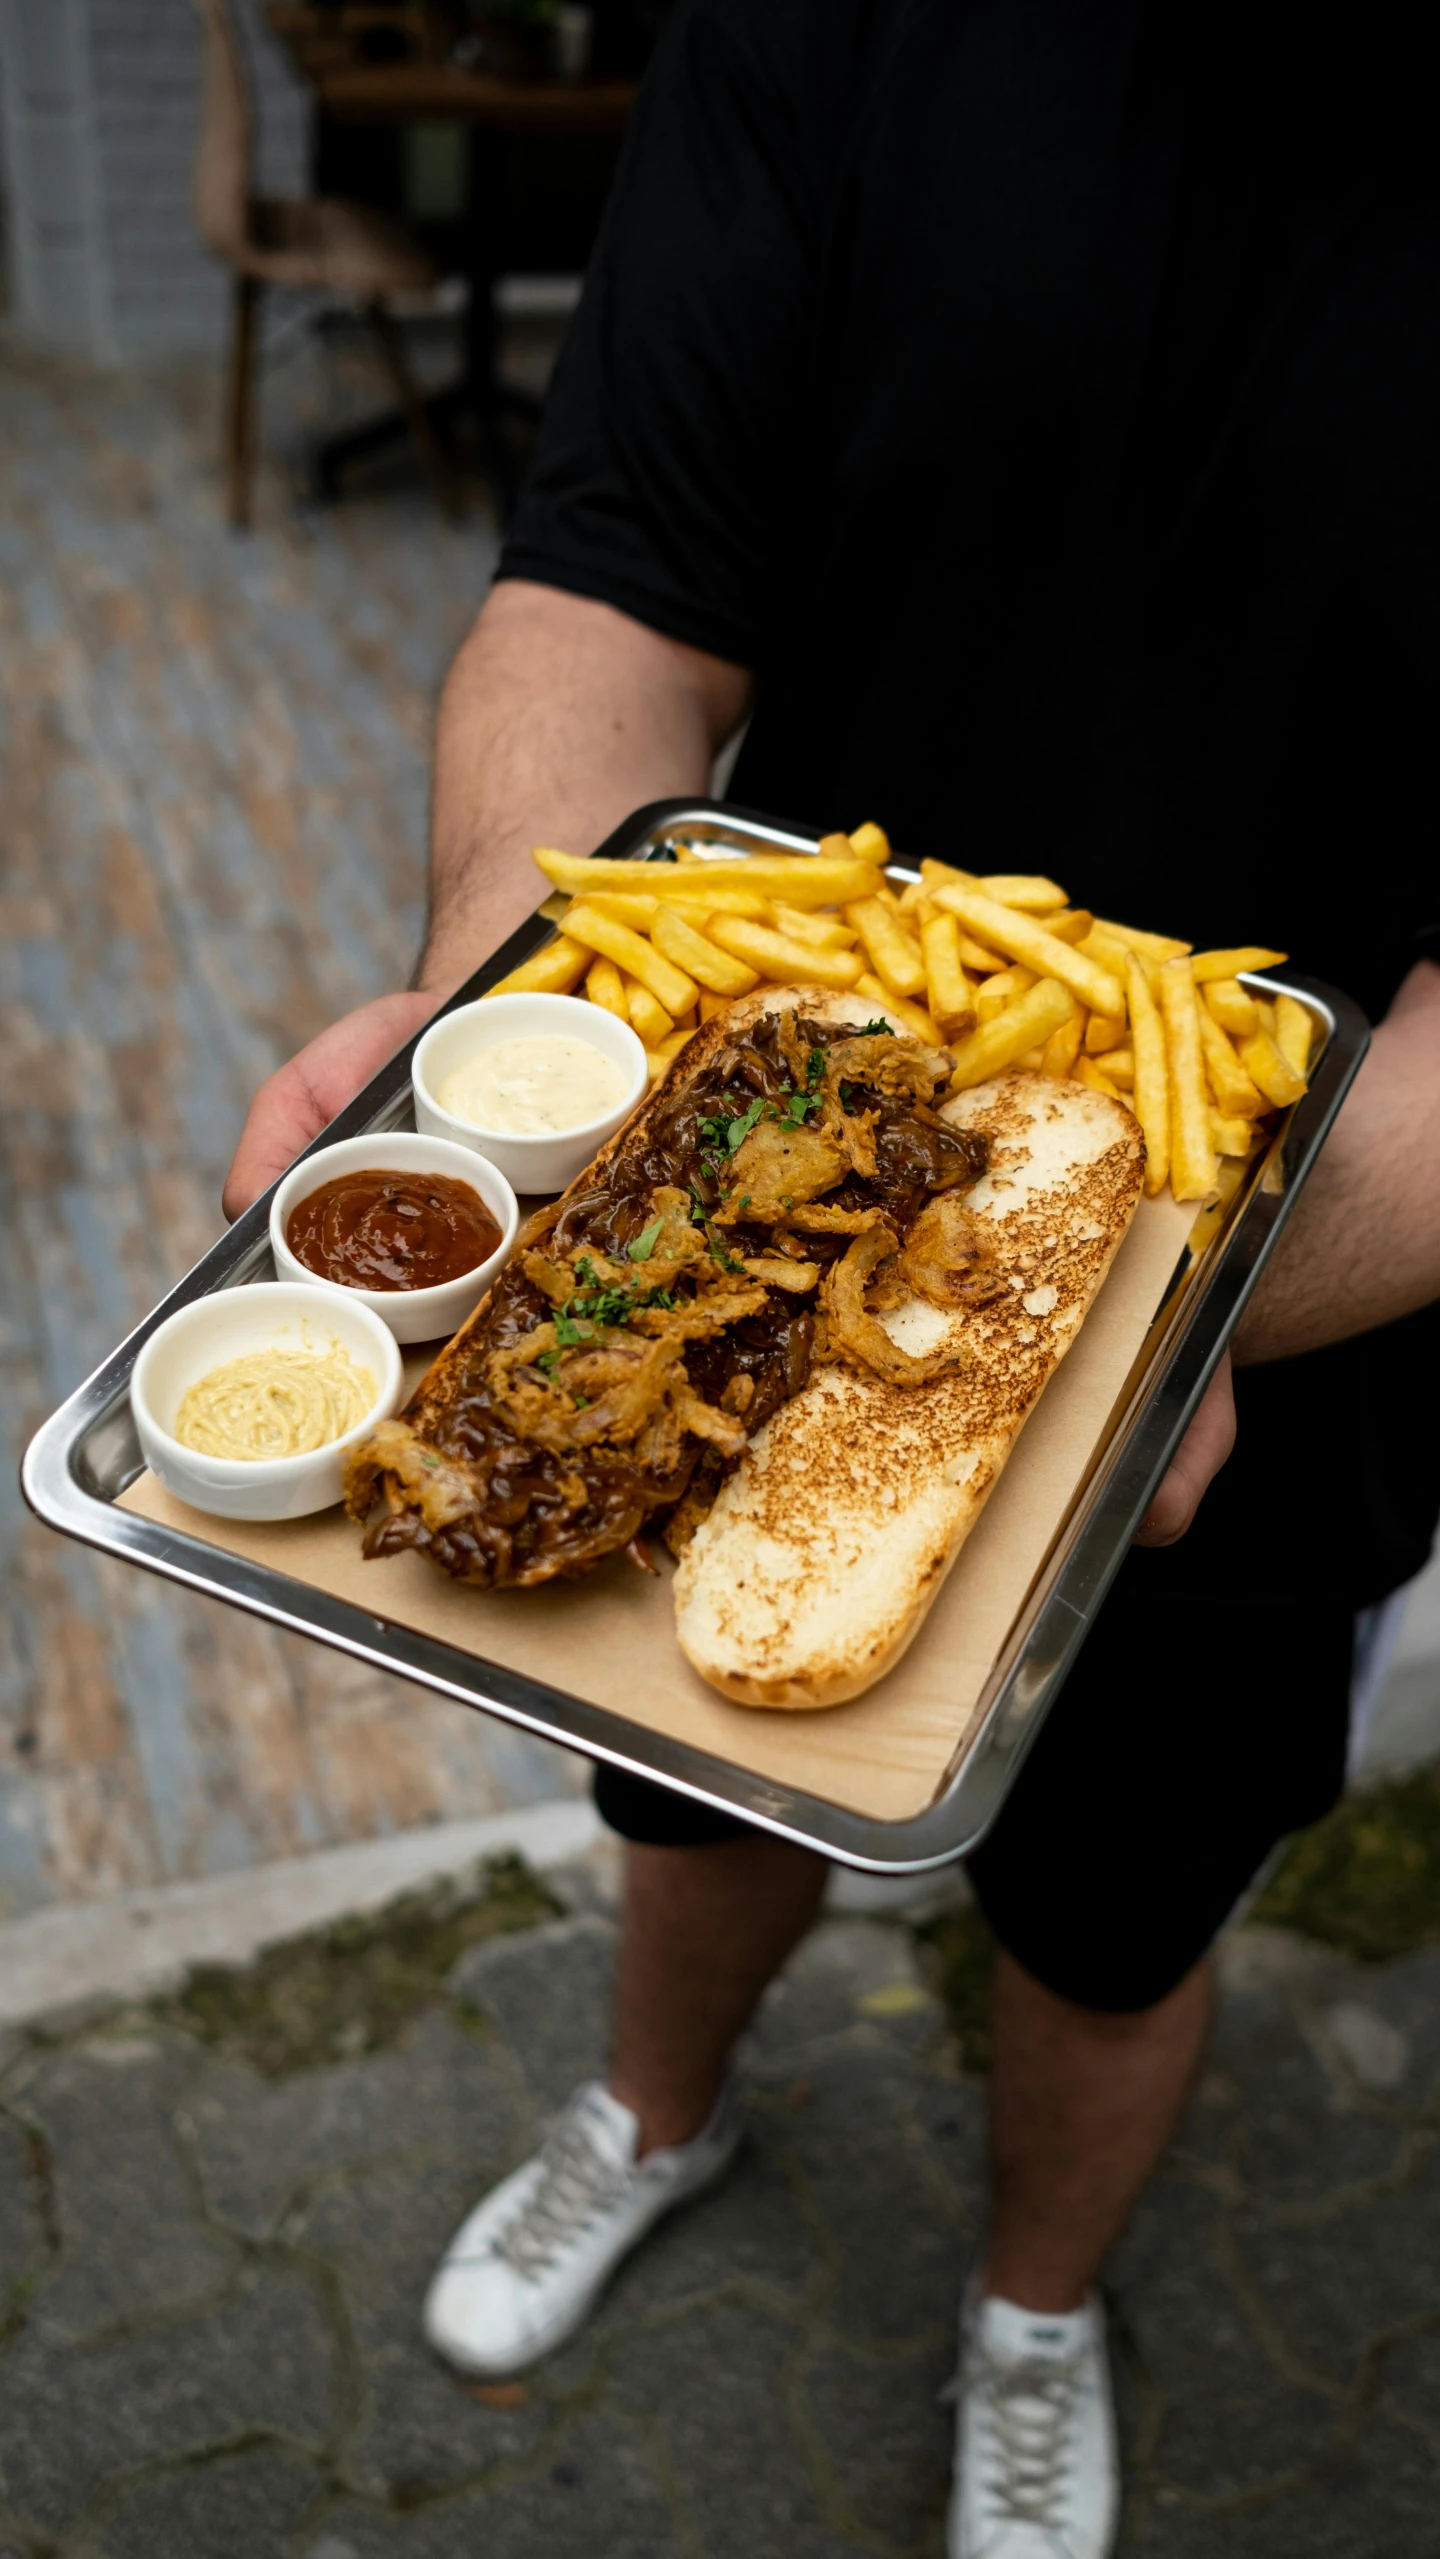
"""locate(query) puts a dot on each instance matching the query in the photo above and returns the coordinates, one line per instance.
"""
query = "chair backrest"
(222, 156)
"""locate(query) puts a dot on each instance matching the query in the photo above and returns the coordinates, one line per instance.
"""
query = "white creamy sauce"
(533, 1088)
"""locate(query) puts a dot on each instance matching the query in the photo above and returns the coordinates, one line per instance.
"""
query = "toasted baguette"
(829, 1542)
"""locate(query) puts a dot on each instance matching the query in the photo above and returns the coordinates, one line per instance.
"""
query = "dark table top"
(430, 89)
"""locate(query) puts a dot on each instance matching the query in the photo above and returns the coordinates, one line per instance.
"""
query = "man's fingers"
(1196, 1462)
(301, 1098)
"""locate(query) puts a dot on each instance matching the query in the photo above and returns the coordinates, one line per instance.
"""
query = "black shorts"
(1191, 1736)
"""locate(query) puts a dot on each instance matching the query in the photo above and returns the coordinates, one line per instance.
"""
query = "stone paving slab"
(213, 2273)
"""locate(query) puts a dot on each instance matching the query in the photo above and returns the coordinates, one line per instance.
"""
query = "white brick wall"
(101, 99)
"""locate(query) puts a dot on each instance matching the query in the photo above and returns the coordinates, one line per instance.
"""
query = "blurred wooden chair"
(305, 244)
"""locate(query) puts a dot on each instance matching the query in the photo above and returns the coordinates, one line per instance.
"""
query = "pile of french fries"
(1000, 969)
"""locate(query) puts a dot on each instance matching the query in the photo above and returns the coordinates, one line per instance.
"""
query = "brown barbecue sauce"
(392, 1231)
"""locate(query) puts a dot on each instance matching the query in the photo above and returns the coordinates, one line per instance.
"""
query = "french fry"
(1063, 1046)
(695, 955)
(1103, 1031)
(555, 969)
(647, 1014)
(1209, 965)
(1021, 939)
(1070, 924)
(658, 1058)
(1087, 1071)
(783, 962)
(672, 987)
(893, 956)
(1027, 1023)
(1232, 1006)
(995, 993)
(915, 900)
(803, 879)
(979, 958)
(605, 986)
(1192, 1154)
(1152, 1076)
(1019, 889)
(1112, 955)
(1119, 1065)
(871, 843)
(1234, 1093)
(701, 895)
(949, 993)
(1152, 946)
(1266, 1011)
(1266, 1065)
(1231, 1136)
(822, 932)
(1293, 1032)
(710, 1004)
(944, 875)
(638, 912)
(916, 1020)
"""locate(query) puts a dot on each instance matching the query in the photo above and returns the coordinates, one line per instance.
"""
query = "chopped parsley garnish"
(877, 1030)
(718, 1252)
(815, 1070)
(796, 1106)
(549, 1361)
(582, 1403)
(747, 1199)
(644, 1245)
(567, 1331)
(731, 1131)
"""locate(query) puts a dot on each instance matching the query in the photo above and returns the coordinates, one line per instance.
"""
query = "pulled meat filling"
(751, 1221)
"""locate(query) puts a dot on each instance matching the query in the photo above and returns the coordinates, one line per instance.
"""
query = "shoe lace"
(575, 2183)
(1030, 2405)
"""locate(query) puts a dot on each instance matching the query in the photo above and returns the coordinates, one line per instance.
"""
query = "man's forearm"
(1363, 1246)
(559, 716)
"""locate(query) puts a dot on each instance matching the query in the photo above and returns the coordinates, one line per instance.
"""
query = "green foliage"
(1367, 1878)
(959, 1954)
(353, 1988)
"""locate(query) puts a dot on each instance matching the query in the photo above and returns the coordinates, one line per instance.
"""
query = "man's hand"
(1195, 1464)
(300, 1099)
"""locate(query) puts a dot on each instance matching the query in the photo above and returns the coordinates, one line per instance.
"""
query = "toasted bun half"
(828, 1543)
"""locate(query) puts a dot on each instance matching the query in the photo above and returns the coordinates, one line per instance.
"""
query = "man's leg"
(702, 1932)
(1082, 2104)
(708, 1918)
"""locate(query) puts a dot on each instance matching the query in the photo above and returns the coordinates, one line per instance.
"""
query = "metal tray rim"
(1204, 1310)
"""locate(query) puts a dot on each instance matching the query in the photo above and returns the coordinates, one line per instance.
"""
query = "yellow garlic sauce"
(274, 1403)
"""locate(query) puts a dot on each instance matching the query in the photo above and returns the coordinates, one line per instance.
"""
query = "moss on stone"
(352, 1988)
(958, 1953)
(1367, 1878)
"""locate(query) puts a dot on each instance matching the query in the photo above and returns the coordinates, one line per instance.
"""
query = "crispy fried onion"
(902, 1070)
(441, 1489)
(853, 1334)
(948, 1257)
(777, 1165)
(778, 1270)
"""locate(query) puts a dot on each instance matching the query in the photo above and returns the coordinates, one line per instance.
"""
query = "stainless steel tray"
(84, 1457)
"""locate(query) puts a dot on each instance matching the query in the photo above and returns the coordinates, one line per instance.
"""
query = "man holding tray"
(1028, 416)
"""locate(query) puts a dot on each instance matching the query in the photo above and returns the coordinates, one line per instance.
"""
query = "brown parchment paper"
(610, 1638)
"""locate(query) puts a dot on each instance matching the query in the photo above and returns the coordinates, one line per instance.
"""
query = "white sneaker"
(1037, 2475)
(527, 2268)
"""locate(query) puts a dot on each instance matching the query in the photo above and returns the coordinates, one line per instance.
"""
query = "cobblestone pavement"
(213, 2274)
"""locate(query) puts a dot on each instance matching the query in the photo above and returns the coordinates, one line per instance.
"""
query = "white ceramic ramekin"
(226, 1326)
(530, 1163)
(413, 1314)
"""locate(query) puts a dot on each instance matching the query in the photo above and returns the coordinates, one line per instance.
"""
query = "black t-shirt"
(1045, 402)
